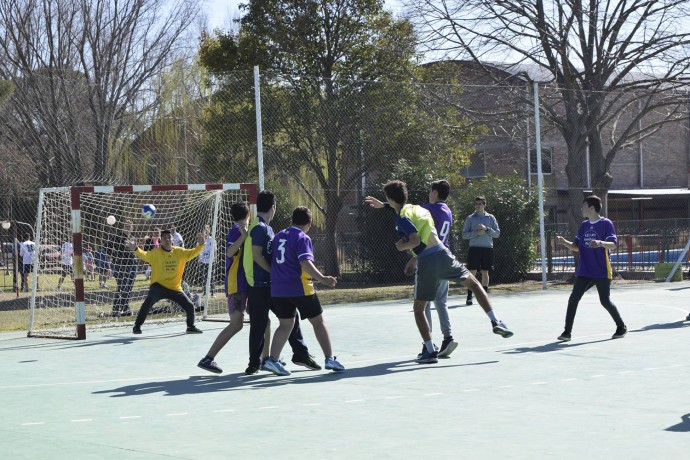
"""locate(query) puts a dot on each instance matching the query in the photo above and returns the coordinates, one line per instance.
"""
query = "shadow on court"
(682, 427)
(663, 326)
(205, 384)
(553, 346)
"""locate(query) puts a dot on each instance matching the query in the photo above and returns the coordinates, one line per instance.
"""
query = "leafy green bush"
(517, 213)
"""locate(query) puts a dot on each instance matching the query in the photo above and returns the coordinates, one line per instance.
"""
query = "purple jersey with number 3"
(443, 219)
(290, 247)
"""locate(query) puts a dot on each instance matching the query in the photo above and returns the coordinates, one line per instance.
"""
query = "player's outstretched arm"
(374, 202)
(569, 244)
(309, 267)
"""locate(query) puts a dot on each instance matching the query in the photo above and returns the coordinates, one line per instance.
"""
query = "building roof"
(652, 192)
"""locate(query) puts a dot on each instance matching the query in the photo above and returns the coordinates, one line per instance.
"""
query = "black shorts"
(480, 258)
(308, 306)
(28, 268)
(67, 270)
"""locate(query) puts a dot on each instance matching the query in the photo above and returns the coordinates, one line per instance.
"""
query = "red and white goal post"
(63, 306)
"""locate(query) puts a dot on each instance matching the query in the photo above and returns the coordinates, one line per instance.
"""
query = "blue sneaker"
(274, 366)
(428, 358)
(333, 365)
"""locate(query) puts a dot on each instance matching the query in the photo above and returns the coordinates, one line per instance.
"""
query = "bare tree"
(83, 72)
(618, 70)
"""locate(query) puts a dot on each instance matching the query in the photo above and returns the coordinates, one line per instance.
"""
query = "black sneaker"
(620, 332)
(565, 337)
(500, 328)
(447, 347)
(687, 318)
(251, 370)
(307, 362)
(194, 330)
(424, 350)
(136, 329)
(210, 365)
(469, 298)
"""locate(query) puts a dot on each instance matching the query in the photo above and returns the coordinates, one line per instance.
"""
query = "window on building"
(546, 161)
(477, 168)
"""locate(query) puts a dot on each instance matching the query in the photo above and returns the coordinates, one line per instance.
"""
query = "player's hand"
(595, 243)
(401, 244)
(131, 245)
(373, 202)
(244, 227)
(560, 239)
(329, 281)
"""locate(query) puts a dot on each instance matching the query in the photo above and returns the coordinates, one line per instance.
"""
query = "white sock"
(429, 346)
(491, 315)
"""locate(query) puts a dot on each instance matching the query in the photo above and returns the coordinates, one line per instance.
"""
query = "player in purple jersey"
(443, 221)
(292, 288)
(595, 238)
(235, 283)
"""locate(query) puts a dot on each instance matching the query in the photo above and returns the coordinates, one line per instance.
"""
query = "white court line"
(33, 423)
(506, 386)
(624, 372)
(471, 389)
(650, 369)
(313, 404)
(82, 420)
(433, 394)
(224, 410)
(597, 376)
(127, 417)
(539, 383)
(177, 414)
(568, 380)
(393, 397)
(355, 400)
(269, 407)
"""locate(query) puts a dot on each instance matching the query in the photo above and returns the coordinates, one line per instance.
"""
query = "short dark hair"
(480, 198)
(396, 190)
(593, 200)
(166, 232)
(27, 236)
(301, 216)
(239, 211)
(265, 201)
(442, 187)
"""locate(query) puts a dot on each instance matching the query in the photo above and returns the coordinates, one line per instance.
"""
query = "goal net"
(82, 280)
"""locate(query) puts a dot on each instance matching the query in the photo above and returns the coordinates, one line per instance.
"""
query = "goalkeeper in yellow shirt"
(167, 266)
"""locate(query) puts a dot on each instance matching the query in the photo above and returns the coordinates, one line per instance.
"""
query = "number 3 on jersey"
(281, 250)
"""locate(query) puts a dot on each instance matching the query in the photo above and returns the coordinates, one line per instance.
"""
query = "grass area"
(14, 313)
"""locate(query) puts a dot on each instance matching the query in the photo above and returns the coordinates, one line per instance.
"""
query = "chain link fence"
(327, 143)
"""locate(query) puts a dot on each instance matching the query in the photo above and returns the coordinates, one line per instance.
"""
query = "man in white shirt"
(177, 239)
(27, 253)
(67, 252)
(205, 258)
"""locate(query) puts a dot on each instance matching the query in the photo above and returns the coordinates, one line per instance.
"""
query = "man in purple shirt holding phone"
(595, 238)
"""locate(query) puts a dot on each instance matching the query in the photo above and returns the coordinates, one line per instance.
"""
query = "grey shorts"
(434, 267)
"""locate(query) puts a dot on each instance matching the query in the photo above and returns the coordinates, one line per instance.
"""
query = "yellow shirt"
(167, 267)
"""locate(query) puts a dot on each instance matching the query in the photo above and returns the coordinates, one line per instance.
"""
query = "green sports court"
(119, 396)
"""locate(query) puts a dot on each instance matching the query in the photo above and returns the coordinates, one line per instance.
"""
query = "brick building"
(650, 177)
